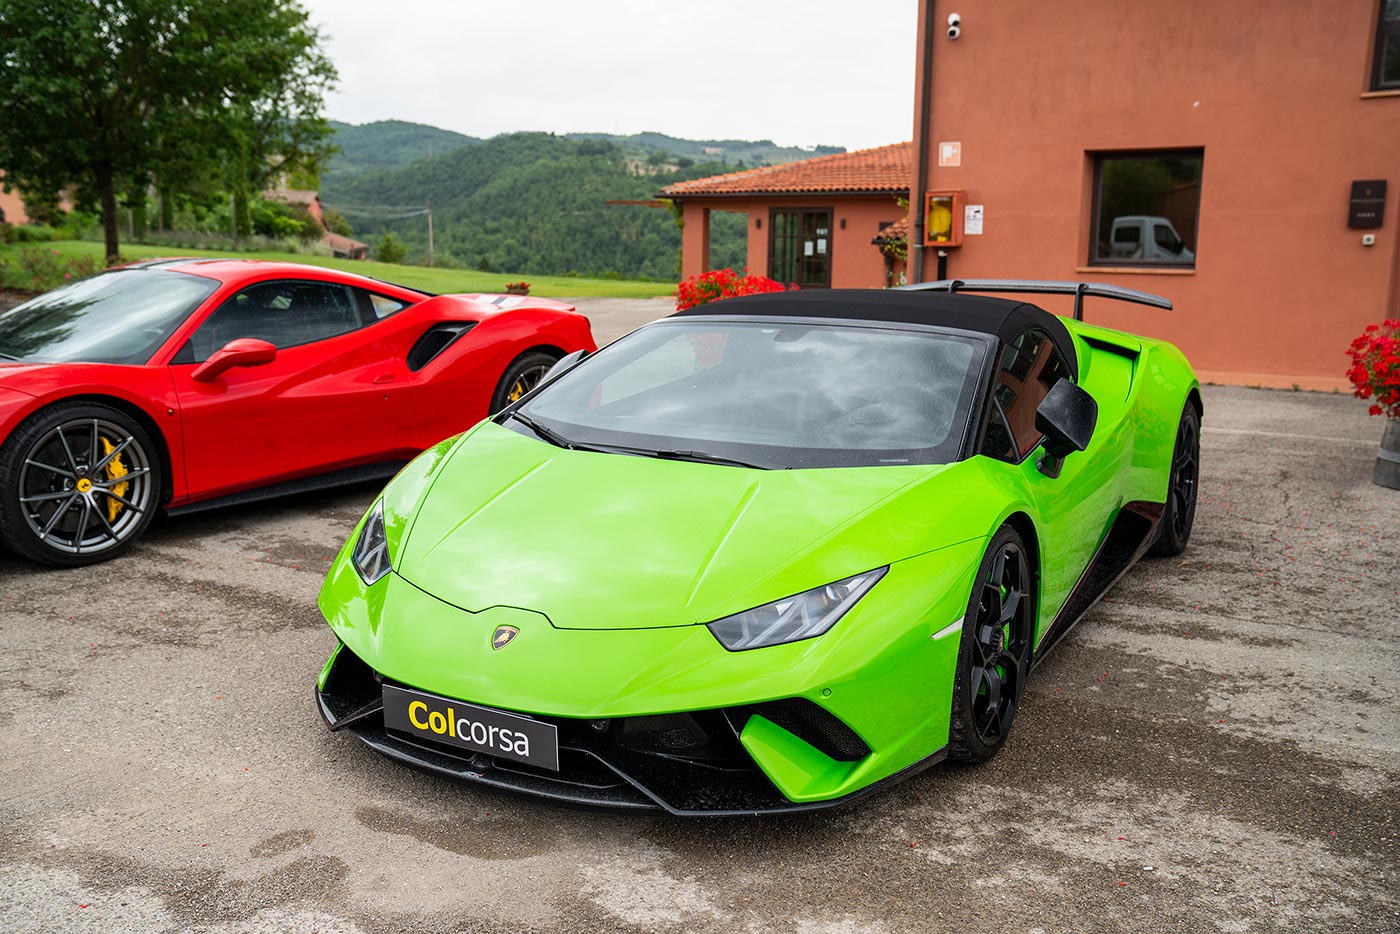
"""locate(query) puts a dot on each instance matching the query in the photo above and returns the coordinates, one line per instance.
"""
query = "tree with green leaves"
(102, 97)
(389, 249)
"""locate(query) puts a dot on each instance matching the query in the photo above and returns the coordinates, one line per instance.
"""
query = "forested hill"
(728, 151)
(388, 144)
(534, 202)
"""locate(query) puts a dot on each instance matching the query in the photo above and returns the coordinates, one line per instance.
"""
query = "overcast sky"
(833, 72)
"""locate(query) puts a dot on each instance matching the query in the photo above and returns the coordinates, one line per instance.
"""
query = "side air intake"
(435, 340)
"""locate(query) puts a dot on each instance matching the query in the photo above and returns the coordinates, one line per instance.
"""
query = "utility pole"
(428, 203)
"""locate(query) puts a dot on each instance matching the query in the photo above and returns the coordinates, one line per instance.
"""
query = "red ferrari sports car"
(186, 384)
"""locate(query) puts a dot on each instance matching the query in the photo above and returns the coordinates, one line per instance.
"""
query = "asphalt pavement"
(1215, 748)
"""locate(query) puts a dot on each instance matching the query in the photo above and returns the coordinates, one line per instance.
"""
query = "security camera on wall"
(954, 25)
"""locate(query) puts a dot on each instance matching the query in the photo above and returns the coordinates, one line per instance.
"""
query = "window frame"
(365, 303)
(801, 212)
(1096, 205)
(1385, 28)
(186, 354)
(994, 407)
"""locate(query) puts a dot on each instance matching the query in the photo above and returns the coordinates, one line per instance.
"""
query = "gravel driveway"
(1215, 748)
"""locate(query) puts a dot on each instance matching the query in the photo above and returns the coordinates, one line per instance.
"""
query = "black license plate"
(480, 729)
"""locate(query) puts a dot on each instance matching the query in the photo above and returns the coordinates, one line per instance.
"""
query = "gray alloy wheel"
(81, 483)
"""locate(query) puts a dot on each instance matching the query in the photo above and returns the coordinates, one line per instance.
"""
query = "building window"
(1145, 208)
(800, 248)
(1386, 74)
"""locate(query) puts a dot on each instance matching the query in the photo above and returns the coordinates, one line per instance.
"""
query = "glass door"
(800, 248)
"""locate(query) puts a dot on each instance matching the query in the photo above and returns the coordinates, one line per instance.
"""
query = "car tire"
(995, 649)
(1180, 512)
(79, 484)
(523, 374)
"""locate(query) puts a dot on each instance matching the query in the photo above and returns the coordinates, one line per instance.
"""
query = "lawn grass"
(415, 277)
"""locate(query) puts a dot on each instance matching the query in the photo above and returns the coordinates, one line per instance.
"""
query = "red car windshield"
(121, 316)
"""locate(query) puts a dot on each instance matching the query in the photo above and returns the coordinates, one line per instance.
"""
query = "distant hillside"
(537, 202)
(727, 151)
(388, 144)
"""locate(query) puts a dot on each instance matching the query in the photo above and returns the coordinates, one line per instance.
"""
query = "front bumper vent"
(816, 726)
(685, 763)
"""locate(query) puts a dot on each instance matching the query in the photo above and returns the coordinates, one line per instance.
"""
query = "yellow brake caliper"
(115, 471)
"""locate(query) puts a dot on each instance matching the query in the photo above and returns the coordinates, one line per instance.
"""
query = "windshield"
(769, 394)
(121, 316)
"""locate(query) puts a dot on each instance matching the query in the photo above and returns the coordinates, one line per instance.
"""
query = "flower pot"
(514, 290)
(1388, 457)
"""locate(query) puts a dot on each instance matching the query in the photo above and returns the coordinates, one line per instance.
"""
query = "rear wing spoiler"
(1043, 286)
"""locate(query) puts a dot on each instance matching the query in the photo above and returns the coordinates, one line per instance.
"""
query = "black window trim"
(1099, 155)
(991, 396)
(1384, 28)
(185, 355)
(364, 301)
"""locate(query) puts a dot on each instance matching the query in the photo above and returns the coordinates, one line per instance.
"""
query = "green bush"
(390, 250)
(279, 221)
(35, 269)
(35, 233)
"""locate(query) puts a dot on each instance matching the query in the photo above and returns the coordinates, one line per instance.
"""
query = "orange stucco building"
(1205, 151)
(809, 222)
(11, 205)
(1243, 161)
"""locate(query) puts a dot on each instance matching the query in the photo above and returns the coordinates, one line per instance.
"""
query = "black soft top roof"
(1000, 317)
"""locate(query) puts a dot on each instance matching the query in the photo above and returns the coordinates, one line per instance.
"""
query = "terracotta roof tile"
(899, 230)
(336, 242)
(885, 169)
(292, 195)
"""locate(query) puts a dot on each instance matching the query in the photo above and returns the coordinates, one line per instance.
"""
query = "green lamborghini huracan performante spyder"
(763, 555)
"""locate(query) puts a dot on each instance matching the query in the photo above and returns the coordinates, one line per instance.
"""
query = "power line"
(377, 211)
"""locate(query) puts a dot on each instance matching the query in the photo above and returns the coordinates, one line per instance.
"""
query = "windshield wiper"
(703, 458)
(552, 437)
(5, 356)
(560, 441)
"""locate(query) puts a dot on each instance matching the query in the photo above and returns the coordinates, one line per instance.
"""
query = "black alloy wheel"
(523, 375)
(79, 483)
(1180, 512)
(994, 655)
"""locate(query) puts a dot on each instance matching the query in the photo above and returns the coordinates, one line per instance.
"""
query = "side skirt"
(323, 481)
(1132, 533)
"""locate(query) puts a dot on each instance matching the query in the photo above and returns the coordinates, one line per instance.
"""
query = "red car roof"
(234, 270)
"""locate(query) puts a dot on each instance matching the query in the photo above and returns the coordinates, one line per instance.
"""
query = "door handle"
(383, 378)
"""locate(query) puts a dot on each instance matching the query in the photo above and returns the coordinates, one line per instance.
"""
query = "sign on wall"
(949, 154)
(972, 219)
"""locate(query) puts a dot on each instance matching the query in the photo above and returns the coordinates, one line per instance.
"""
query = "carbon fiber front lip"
(622, 781)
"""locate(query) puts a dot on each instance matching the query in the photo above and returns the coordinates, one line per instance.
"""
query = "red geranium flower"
(1375, 367)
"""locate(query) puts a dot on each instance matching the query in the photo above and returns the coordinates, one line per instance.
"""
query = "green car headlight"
(792, 619)
(371, 555)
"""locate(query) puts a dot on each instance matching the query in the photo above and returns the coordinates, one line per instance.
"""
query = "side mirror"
(245, 351)
(1066, 416)
(562, 366)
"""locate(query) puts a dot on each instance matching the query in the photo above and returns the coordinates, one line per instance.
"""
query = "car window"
(383, 306)
(685, 356)
(1030, 366)
(1166, 239)
(772, 393)
(997, 441)
(284, 313)
(1126, 234)
(119, 316)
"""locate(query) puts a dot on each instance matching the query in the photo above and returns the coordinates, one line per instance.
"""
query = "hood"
(610, 541)
(21, 376)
